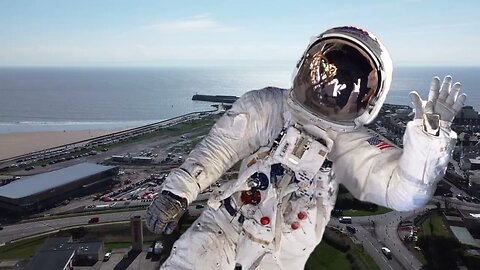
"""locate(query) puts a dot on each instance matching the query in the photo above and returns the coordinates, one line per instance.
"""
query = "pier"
(215, 98)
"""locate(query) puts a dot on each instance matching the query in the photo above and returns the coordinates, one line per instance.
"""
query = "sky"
(203, 32)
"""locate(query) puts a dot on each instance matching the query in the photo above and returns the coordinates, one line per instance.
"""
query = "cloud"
(198, 23)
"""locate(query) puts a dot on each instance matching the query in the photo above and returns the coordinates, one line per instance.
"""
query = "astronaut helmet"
(342, 79)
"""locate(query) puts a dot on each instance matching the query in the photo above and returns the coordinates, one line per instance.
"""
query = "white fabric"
(442, 100)
(399, 179)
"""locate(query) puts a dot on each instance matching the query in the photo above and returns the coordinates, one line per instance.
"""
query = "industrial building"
(63, 254)
(41, 191)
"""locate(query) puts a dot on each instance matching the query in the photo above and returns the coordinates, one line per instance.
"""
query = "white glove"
(442, 105)
(165, 212)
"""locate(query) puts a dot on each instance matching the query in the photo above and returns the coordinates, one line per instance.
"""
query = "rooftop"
(46, 181)
(464, 236)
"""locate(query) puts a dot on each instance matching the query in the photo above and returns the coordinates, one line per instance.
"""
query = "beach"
(14, 144)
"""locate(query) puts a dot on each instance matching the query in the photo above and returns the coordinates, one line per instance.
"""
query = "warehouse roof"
(46, 181)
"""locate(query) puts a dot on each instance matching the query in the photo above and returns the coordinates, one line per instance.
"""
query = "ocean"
(56, 99)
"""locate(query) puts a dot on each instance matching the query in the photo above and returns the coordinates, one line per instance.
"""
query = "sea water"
(54, 99)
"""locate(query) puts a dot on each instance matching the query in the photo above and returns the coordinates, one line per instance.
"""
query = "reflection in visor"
(336, 80)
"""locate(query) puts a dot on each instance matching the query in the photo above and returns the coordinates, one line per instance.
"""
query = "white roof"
(46, 181)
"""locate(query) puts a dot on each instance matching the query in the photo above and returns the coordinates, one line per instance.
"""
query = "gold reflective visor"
(336, 80)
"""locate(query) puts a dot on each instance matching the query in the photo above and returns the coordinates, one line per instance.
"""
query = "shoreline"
(29, 127)
(20, 143)
(16, 144)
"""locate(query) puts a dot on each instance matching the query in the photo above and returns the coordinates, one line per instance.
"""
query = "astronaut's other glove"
(165, 212)
(442, 105)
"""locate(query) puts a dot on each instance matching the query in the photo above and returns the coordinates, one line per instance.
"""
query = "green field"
(434, 226)
(23, 249)
(360, 213)
(326, 257)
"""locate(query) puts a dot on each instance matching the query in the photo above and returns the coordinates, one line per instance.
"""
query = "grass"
(360, 213)
(119, 245)
(327, 257)
(431, 226)
(364, 257)
(23, 249)
(434, 226)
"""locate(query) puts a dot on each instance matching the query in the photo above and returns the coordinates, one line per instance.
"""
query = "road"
(25, 229)
(381, 230)
(370, 244)
(383, 233)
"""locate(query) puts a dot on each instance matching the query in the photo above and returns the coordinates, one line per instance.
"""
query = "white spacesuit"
(297, 145)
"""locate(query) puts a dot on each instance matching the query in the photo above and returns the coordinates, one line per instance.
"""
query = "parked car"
(107, 256)
(448, 194)
(351, 229)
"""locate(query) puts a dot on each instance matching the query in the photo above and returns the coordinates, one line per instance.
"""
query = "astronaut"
(297, 145)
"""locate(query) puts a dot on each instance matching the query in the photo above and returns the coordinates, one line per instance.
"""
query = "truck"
(345, 220)
(158, 248)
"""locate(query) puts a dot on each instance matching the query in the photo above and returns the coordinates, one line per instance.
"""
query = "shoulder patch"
(376, 141)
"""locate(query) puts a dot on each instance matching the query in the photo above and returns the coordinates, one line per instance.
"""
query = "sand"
(14, 144)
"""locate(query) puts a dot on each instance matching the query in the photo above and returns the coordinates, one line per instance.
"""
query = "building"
(464, 225)
(137, 233)
(45, 190)
(62, 253)
(472, 163)
(474, 182)
(467, 115)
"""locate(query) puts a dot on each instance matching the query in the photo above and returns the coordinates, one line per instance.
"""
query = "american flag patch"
(378, 143)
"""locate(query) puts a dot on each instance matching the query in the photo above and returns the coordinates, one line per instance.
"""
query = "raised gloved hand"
(165, 212)
(442, 105)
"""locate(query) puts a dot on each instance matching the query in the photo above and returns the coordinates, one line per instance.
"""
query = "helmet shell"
(342, 63)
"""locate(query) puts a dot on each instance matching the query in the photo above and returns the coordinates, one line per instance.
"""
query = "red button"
(295, 225)
(265, 221)
(251, 197)
(246, 197)
(302, 215)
